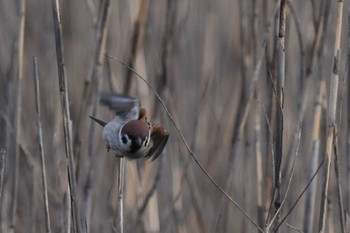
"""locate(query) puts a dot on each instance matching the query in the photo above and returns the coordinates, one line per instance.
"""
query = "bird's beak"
(138, 142)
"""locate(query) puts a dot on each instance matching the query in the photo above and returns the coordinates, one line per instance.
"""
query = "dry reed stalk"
(147, 194)
(17, 113)
(257, 139)
(167, 44)
(281, 62)
(161, 80)
(318, 42)
(293, 153)
(136, 42)
(67, 125)
(338, 181)
(304, 96)
(348, 121)
(269, 167)
(41, 147)
(297, 23)
(242, 104)
(259, 165)
(89, 97)
(93, 11)
(97, 72)
(196, 199)
(317, 51)
(243, 119)
(119, 218)
(331, 118)
(66, 212)
(33, 211)
(314, 158)
(2, 174)
(300, 195)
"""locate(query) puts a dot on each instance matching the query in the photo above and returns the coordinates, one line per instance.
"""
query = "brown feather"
(136, 128)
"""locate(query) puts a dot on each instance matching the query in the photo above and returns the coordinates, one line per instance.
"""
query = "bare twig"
(67, 127)
(331, 118)
(41, 149)
(294, 228)
(188, 148)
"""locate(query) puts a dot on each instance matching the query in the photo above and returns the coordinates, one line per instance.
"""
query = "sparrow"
(130, 133)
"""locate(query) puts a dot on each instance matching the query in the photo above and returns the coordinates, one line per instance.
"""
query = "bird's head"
(134, 135)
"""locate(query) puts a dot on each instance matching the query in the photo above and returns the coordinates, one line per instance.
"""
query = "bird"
(129, 133)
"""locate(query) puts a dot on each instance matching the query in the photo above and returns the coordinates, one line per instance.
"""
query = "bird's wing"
(159, 137)
(122, 105)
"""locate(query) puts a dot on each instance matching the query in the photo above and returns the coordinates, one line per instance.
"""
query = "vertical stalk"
(17, 115)
(314, 160)
(281, 62)
(67, 125)
(97, 73)
(41, 148)
(331, 119)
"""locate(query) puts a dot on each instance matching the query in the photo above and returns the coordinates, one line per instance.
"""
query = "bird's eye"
(124, 140)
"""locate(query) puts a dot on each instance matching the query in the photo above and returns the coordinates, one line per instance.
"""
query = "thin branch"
(67, 126)
(294, 228)
(41, 148)
(188, 148)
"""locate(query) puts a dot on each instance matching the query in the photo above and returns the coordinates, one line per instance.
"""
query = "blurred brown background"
(200, 56)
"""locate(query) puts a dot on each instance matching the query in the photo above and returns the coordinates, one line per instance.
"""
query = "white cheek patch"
(146, 142)
(125, 142)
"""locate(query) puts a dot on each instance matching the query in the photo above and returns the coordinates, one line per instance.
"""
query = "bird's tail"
(100, 122)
